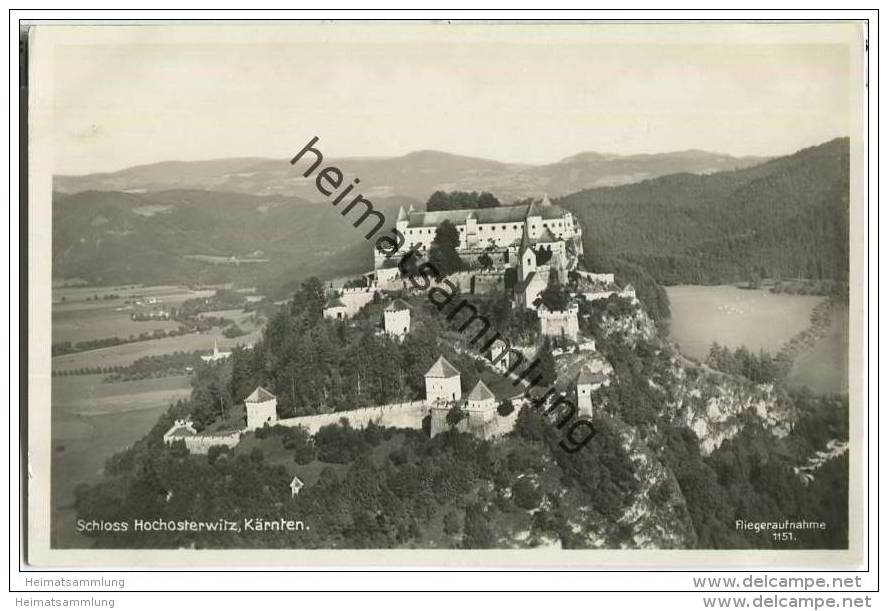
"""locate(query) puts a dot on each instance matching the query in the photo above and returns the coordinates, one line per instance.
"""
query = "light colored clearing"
(152, 210)
(225, 259)
(127, 354)
(757, 319)
(824, 368)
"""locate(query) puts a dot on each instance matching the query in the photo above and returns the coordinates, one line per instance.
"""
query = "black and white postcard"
(446, 293)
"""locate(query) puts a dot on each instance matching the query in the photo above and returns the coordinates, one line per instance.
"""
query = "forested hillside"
(788, 217)
(110, 237)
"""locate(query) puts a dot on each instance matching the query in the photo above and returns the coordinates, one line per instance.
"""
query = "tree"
(442, 253)
(309, 299)
(446, 234)
(543, 255)
(477, 531)
(526, 494)
(455, 415)
(547, 363)
(233, 330)
(485, 261)
(300, 442)
(451, 523)
(461, 200)
(555, 296)
(505, 408)
(214, 452)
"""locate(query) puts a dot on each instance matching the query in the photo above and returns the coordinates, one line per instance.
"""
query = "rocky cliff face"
(717, 407)
(631, 328)
(658, 517)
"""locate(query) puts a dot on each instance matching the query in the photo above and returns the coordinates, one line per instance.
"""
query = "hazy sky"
(117, 105)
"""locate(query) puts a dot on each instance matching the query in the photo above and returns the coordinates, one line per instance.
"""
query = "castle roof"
(480, 392)
(442, 369)
(260, 395)
(334, 302)
(402, 216)
(547, 236)
(397, 305)
(499, 214)
(546, 201)
(533, 209)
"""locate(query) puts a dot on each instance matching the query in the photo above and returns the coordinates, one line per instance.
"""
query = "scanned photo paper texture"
(434, 294)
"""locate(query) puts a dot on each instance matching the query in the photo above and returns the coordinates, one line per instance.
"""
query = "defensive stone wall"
(399, 415)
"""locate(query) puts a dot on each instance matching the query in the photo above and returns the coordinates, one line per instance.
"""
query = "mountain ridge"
(416, 174)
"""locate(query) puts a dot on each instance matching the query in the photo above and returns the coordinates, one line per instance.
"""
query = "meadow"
(759, 320)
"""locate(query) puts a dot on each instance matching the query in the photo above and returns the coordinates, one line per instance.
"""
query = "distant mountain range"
(206, 222)
(787, 217)
(415, 175)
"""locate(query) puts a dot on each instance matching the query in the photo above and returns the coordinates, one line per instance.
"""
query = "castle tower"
(402, 221)
(471, 233)
(481, 399)
(533, 221)
(527, 261)
(587, 382)
(442, 382)
(261, 408)
(396, 319)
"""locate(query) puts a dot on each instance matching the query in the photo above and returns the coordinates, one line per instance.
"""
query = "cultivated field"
(167, 294)
(83, 313)
(82, 324)
(126, 354)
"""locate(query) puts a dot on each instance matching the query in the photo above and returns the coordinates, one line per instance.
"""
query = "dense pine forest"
(786, 218)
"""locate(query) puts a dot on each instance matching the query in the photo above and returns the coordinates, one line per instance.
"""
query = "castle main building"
(497, 232)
